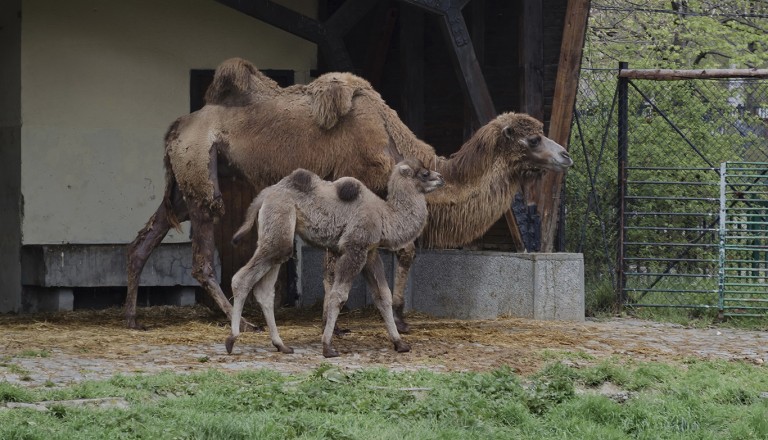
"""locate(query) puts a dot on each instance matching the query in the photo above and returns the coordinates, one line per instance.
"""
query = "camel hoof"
(284, 349)
(402, 327)
(330, 352)
(132, 324)
(229, 343)
(402, 347)
(246, 326)
(340, 332)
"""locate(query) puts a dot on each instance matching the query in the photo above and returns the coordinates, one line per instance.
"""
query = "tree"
(683, 34)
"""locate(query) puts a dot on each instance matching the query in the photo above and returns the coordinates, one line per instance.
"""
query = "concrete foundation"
(472, 284)
(181, 296)
(52, 275)
(42, 299)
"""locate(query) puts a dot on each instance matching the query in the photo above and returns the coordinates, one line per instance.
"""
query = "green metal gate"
(743, 258)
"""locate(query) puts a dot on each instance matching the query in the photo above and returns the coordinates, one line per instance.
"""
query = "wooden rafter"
(328, 35)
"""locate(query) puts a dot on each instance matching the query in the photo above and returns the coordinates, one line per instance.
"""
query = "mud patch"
(57, 349)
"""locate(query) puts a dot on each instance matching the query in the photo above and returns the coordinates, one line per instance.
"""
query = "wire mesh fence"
(648, 228)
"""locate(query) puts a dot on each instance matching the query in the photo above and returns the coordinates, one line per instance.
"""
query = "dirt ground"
(58, 349)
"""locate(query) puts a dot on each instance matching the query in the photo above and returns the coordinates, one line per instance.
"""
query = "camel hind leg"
(265, 295)
(203, 247)
(260, 275)
(141, 248)
(276, 230)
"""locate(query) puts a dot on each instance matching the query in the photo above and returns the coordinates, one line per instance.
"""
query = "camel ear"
(405, 170)
(508, 132)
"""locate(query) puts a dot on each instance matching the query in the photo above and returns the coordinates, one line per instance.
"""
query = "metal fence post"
(721, 241)
(623, 127)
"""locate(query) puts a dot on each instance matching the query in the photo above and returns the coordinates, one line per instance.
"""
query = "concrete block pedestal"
(52, 275)
(471, 284)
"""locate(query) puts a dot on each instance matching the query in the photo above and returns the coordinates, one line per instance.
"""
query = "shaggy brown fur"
(336, 126)
(352, 229)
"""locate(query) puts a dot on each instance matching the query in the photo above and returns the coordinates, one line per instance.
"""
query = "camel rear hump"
(331, 97)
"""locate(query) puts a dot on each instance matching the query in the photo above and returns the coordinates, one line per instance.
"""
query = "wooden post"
(412, 68)
(566, 87)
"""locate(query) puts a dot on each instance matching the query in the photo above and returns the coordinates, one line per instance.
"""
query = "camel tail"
(170, 180)
(250, 218)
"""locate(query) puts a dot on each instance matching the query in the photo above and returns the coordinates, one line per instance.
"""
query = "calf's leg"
(382, 297)
(265, 295)
(348, 265)
(405, 258)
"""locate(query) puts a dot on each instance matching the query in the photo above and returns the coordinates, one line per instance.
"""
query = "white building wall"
(101, 83)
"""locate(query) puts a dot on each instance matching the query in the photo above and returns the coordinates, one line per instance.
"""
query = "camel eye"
(424, 173)
(534, 141)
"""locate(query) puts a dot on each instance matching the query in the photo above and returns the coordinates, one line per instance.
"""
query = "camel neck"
(405, 217)
(460, 213)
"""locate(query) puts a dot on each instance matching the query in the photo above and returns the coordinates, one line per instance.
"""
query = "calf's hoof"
(229, 343)
(402, 347)
(330, 352)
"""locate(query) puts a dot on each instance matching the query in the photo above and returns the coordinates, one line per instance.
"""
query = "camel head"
(522, 140)
(426, 180)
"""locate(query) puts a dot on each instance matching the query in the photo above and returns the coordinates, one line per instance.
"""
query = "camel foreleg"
(405, 257)
(348, 265)
(382, 297)
(329, 267)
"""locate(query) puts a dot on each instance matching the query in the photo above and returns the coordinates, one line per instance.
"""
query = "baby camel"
(344, 217)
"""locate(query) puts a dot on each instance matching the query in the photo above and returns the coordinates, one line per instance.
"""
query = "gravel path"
(57, 352)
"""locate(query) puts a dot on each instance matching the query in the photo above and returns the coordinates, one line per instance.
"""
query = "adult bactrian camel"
(335, 126)
(343, 217)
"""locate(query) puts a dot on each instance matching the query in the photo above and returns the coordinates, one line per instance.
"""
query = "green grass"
(699, 400)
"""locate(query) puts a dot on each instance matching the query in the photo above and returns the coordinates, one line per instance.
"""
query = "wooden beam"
(673, 74)
(476, 24)
(348, 15)
(470, 75)
(438, 6)
(328, 35)
(280, 17)
(531, 68)
(532, 58)
(412, 68)
(566, 87)
(463, 55)
(381, 34)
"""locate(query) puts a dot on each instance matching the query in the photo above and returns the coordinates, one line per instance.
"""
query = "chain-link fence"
(648, 228)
